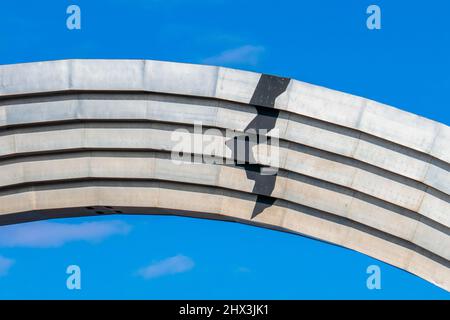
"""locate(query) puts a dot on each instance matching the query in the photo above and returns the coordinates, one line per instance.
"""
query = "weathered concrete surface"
(85, 137)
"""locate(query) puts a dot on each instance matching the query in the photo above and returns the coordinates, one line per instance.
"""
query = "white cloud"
(172, 265)
(243, 270)
(50, 234)
(5, 265)
(245, 55)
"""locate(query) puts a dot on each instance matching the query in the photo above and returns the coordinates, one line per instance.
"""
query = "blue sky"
(405, 64)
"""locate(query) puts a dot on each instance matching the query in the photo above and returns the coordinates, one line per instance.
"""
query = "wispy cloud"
(244, 55)
(5, 265)
(172, 265)
(50, 234)
(242, 270)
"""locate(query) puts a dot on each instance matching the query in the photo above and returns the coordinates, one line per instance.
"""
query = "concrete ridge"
(362, 114)
(88, 107)
(81, 199)
(22, 174)
(416, 199)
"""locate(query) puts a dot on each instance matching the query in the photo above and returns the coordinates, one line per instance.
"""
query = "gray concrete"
(79, 137)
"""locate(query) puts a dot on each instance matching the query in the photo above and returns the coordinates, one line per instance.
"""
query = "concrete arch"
(351, 171)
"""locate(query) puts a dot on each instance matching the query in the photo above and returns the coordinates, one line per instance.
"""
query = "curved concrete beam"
(331, 106)
(331, 138)
(84, 137)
